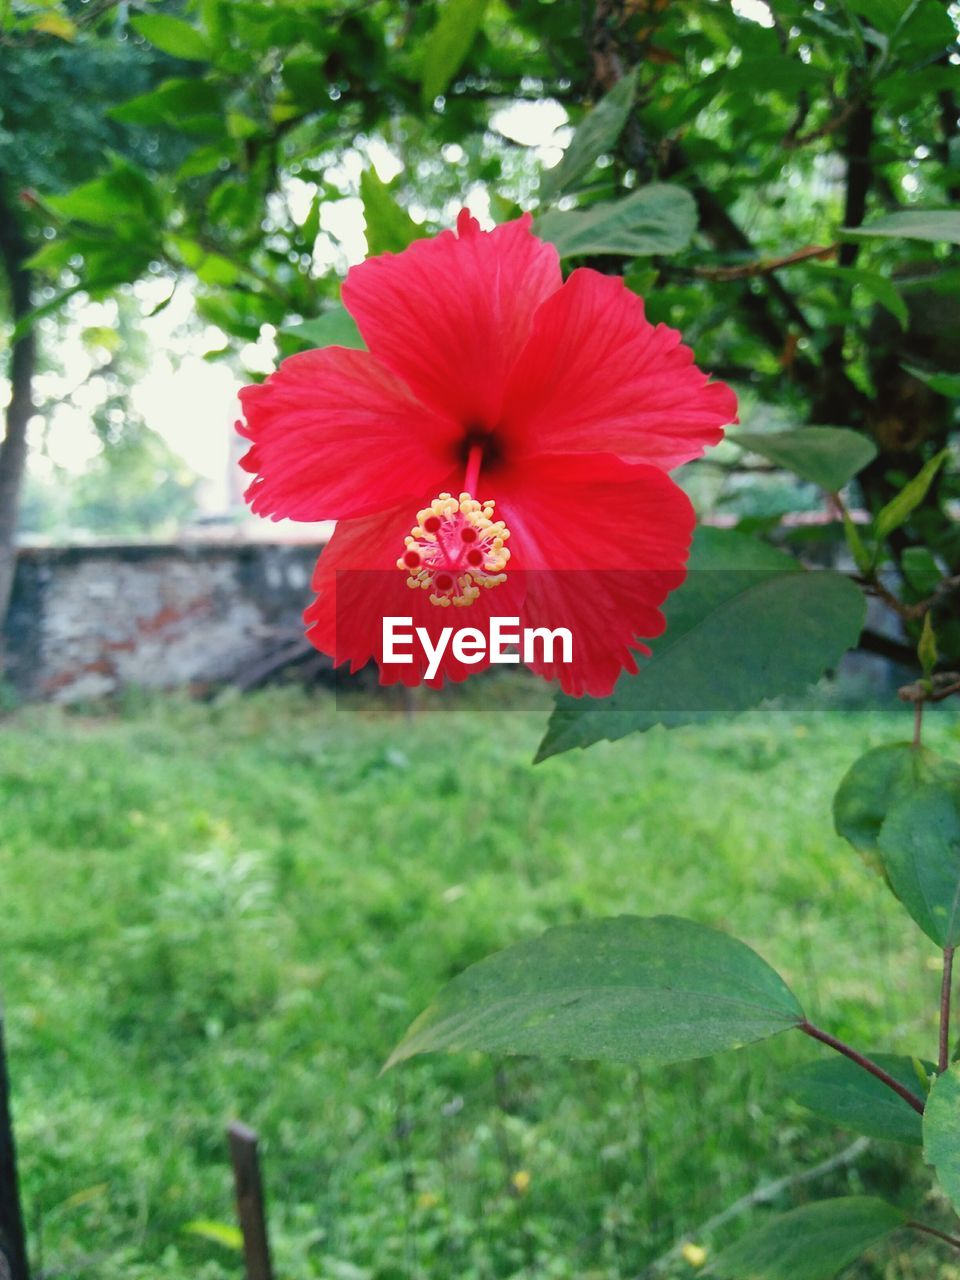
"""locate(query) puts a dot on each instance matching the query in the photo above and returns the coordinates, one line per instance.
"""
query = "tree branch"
(14, 251)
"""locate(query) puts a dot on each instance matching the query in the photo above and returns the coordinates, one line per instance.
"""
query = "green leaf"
(919, 844)
(879, 287)
(927, 648)
(119, 199)
(900, 807)
(389, 227)
(335, 328)
(941, 1132)
(448, 45)
(53, 23)
(814, 1242)
(899, 509)
(827, 456)
(862, 557)
(656, 219)
(912, 224)
(172, 35)
(178, 98)
(868, 788)
(658, 989)
(596, 134)
(944, 384)
(921, 570)
(839, 1090)
(779, 628)
(224, 1233)
(215, 269)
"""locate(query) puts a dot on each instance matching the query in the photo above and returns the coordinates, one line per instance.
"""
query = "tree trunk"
(14, 251)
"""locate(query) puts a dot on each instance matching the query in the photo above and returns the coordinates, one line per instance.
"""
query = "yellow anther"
(454, 549)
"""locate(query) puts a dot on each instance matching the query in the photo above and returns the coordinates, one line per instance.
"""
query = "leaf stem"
(945, 986)
(867, 1064)
(932, 1231)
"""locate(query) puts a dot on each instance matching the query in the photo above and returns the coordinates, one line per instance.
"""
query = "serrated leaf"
(919, 844)
(172, 35)
(596, 134)
(389, 228)
(870, 786)
(628, 989)
(938, 225)
(814, 1242)
(899, 509)
(448, 44)
(659, 218)
(827, 456)
(777, 625)
(941, 1132)
(839, 1090)
(335, 328)
(899, 806)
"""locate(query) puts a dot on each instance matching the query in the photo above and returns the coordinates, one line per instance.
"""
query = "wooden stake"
(250, 1206)
(13, 1246)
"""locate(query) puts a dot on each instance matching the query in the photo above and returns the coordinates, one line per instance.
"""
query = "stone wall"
(88, 621)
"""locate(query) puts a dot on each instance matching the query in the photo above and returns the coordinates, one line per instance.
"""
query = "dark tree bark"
(14, 252)
(13, 1247)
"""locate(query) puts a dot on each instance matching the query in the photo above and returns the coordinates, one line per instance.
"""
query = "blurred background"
(226, 893)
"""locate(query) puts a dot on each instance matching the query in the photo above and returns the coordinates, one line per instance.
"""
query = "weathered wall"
(88, 621)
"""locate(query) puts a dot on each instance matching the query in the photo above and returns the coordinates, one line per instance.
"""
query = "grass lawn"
(234, 910)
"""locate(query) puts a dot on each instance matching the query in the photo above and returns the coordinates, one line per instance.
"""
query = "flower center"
(455, 548)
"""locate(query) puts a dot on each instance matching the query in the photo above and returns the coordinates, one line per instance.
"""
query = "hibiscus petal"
(451, 314)
(600, 543)
(358, 585)
(335, 434)
(596, 377)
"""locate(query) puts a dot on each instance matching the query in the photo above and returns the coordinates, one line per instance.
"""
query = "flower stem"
(874, 1069)
(917, 721)
(932, 1231)
(944, 1058)
(472, 477)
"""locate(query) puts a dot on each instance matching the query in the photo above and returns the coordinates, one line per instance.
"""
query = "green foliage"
(628, 989)
(334, 328)
(749, 624)
(815, 1242)
(172, 35)
(915, 224)
(449, 43)
(900, 805)
(827, 456)
(941, 1133)
(658, 219)
(389, 227)
(900, 508)
(596, 135)
(841, 1091)
(945, 384)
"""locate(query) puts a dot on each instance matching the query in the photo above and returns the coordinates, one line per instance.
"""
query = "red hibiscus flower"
(502, 447)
